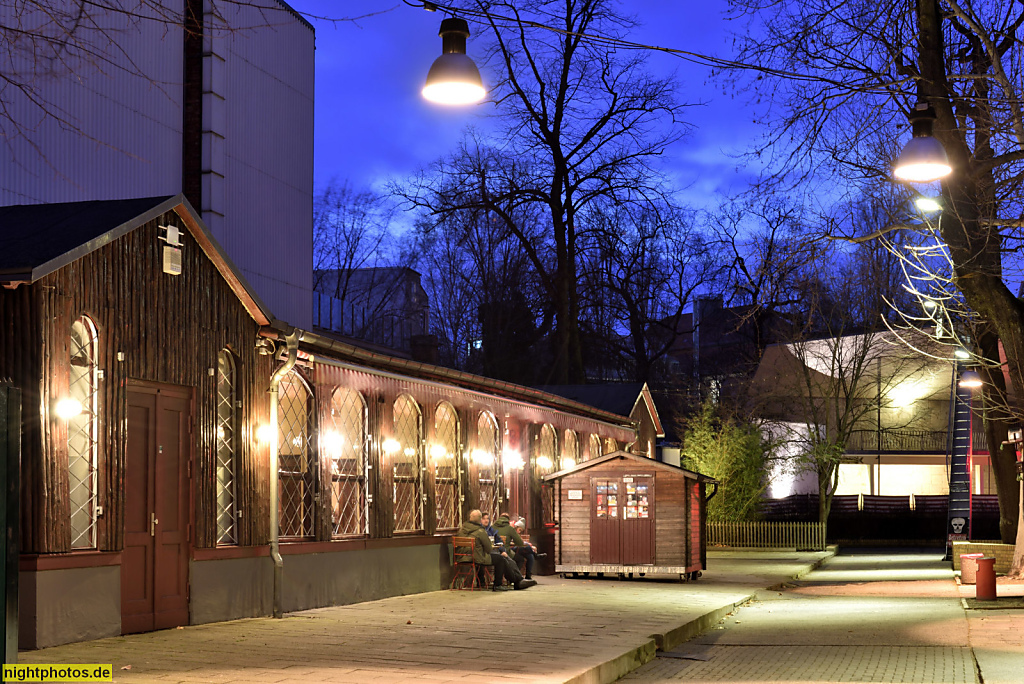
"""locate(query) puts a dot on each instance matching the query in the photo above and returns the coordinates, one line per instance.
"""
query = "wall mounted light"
(482, 457)
(512, 460)
(264, 433)
(568, 462)
(67, 408)
(545, 463)
(453, 78)
(437, 451)
(391, 446)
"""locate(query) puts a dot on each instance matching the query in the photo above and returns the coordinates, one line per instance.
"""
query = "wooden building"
(145, 359)
(623, 513)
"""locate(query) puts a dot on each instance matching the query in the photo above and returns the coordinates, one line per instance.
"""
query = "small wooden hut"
(624, 513)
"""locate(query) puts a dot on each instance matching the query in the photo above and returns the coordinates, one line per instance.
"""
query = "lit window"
(343, 446)
(444, 456)
(405, 469)
(296, 459)
(227, 532)
(485, 457)
(83, 433)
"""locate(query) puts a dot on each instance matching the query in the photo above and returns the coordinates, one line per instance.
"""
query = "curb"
(612, 670)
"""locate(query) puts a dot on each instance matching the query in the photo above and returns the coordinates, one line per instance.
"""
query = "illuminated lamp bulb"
(545, 463)
(512, 460)
(923, 159)
(962, 354)
(568, 462)
(970, 380)
(391, 446)
(438, 451)
(453, 78)
(67, 408)
(264, 433)
(482, 457)
(929, 304)
(927, 205)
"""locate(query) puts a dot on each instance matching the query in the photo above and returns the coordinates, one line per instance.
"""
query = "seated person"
(484, 553)
(522, 550)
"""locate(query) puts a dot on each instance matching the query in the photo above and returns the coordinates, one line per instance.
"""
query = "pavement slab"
(885, 617)
(563, 630)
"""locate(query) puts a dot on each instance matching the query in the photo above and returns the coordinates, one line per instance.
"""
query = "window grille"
(610, 445)
(544, 452)
(445, 458)
(406, 466)
(570, 449)
(487, 462)
(344, 445)
(296, 457)
(595, 447)
(83, 433)
(226, 441)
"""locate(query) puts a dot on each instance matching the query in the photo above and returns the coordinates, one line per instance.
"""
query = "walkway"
(859, 618)
(561, 630)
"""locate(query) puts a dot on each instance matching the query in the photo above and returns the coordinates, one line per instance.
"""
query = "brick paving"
(561, 630)
(860, 618)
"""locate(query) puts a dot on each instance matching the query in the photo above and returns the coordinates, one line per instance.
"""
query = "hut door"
(638, 520)
(604, 521)
(154, 565)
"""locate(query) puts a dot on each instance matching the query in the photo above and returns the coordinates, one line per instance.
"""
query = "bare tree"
(847, 75)
(579, 121)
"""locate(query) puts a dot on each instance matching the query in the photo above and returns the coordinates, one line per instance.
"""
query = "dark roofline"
(625, 454)
(295, 13)
(450, 376)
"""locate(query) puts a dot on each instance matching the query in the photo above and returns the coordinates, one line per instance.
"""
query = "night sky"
(372, 125)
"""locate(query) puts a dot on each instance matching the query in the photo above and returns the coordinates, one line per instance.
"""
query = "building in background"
(136, 106)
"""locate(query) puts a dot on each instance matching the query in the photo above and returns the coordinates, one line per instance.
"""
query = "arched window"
(485, 457)
(406, 468)
(227, 532)
(444, 457)
(595, 447)
(570, 450)
(343, 443)
(297, 460)
(610, 445)
(83, 433)
(544, 452)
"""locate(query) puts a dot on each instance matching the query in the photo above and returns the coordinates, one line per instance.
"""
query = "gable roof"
(38, 239)
(619, 398)
(625, 455)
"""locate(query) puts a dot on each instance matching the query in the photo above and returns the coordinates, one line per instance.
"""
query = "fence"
(798, 535)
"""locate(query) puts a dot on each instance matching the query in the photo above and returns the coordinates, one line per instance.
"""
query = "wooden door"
(638, 520)
(605, 519)
(154, 565)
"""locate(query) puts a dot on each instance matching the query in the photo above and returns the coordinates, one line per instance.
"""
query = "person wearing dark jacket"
(484, 553)
(523, 551)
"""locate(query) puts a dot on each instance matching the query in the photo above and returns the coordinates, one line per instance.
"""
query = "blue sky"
(372, 124)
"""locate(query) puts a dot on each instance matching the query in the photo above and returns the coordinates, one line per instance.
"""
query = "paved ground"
(859, 618)
(563, 630)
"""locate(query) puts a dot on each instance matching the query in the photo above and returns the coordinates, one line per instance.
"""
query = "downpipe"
(292, 345)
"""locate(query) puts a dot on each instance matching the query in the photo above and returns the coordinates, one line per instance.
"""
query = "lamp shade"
(923, 159)
(453, 78)
(970, 380)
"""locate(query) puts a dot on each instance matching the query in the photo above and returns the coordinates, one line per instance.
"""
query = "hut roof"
(625, 455)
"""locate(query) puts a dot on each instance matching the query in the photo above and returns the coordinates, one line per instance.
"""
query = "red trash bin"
(969, 567)
(986, 584)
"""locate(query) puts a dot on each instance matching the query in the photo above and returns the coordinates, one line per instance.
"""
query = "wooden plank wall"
(170, 330)
(670, 523)
(573, 536)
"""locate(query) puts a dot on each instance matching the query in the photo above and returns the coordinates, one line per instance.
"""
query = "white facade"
(108, 122)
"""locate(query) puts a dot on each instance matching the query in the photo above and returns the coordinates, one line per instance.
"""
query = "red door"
(154, 565)
(605, 547)
(638, 520)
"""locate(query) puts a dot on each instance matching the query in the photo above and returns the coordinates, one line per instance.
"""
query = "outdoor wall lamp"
(437, 451)
(512, 460)
(391, 446)
(923, 159)
(568, 462)
(544, 463)
(453, 78)
(970, 380)
(264, 433)
(67, 408)
(481, 457)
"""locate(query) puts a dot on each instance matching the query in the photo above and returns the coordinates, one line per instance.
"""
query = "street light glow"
(923, 159)
(928, 205)
(453, 78)
(970, 380)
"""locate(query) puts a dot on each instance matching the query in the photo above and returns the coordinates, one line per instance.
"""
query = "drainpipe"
(292, 344)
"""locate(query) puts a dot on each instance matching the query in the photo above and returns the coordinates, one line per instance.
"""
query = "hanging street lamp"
(923, 159)
(453, 78)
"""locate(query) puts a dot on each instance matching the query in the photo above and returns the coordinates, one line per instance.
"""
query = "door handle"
(153, 522)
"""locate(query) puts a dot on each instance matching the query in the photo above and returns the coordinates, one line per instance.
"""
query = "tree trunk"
(998, 423)
(1017, 569)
